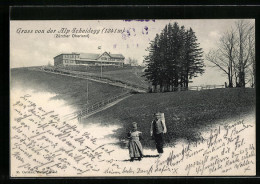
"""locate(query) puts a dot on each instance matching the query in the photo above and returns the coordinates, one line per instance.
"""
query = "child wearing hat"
(135, 146)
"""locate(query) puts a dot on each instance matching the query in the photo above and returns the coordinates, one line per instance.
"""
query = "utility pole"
(99, 48)
(87, 91)
(101, 68)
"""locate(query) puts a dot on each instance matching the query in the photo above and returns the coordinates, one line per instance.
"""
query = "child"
(135, 146)
(158, 129)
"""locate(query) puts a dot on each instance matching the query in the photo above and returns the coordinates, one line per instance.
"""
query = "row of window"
(71, 56)
(97, 63)
(102, 58)
(111, 59)
(68, 61)
(108, 63)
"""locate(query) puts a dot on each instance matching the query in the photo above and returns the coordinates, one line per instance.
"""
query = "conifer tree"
(174, 58)
(194, 63)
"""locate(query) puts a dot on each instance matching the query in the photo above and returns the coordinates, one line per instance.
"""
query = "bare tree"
(245, 45)
(235, 54)
(223, 58)
(251, 70)
(132, 61)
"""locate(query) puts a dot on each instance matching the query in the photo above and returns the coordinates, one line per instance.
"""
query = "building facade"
(90, 59)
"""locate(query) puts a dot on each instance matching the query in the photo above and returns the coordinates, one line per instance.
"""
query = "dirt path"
(106, 106)
(81, 116)
(97, 80)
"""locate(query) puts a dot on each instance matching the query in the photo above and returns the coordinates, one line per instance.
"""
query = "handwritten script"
(42, 144)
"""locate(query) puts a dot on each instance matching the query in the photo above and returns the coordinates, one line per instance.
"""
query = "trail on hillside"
(105, 104)
(92, 78)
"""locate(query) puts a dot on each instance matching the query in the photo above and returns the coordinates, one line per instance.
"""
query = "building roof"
(89, 56)
(65, 54)
(117, 56)
(94, 56)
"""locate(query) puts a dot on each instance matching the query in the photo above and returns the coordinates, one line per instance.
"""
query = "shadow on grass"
(150, 156)
(136, 159)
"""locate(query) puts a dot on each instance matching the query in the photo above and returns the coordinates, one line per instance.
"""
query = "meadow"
(72, 90)
(129, 75)
(186, 112)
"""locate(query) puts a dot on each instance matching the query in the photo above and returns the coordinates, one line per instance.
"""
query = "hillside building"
(91, 59)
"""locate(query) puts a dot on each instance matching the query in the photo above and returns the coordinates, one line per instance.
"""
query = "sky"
(34, 49)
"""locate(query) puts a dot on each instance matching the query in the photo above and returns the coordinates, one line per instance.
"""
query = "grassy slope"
(195, 110)
(67, 88)
(131, 75)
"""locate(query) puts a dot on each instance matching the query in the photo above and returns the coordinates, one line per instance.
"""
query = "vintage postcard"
(157, 97)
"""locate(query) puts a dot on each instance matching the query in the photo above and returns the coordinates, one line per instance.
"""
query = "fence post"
(79, 116)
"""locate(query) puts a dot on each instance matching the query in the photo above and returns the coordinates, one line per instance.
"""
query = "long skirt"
(135, 149)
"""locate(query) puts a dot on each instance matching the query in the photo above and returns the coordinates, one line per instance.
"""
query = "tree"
(152, 61)
(174, 58)
(251, 70)
(245, 44)
(235, 54)
(193, 62)
(132, 61)
(224, 56)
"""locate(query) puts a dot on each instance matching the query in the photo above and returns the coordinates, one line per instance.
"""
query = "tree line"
(235, 54)
(174, 58)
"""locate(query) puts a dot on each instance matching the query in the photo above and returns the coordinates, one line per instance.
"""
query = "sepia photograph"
(132, 98)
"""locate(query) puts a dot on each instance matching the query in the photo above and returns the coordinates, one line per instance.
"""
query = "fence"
(84, 75)
(119, 83)
(199, 88)
(95, 107)
(190, 88)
